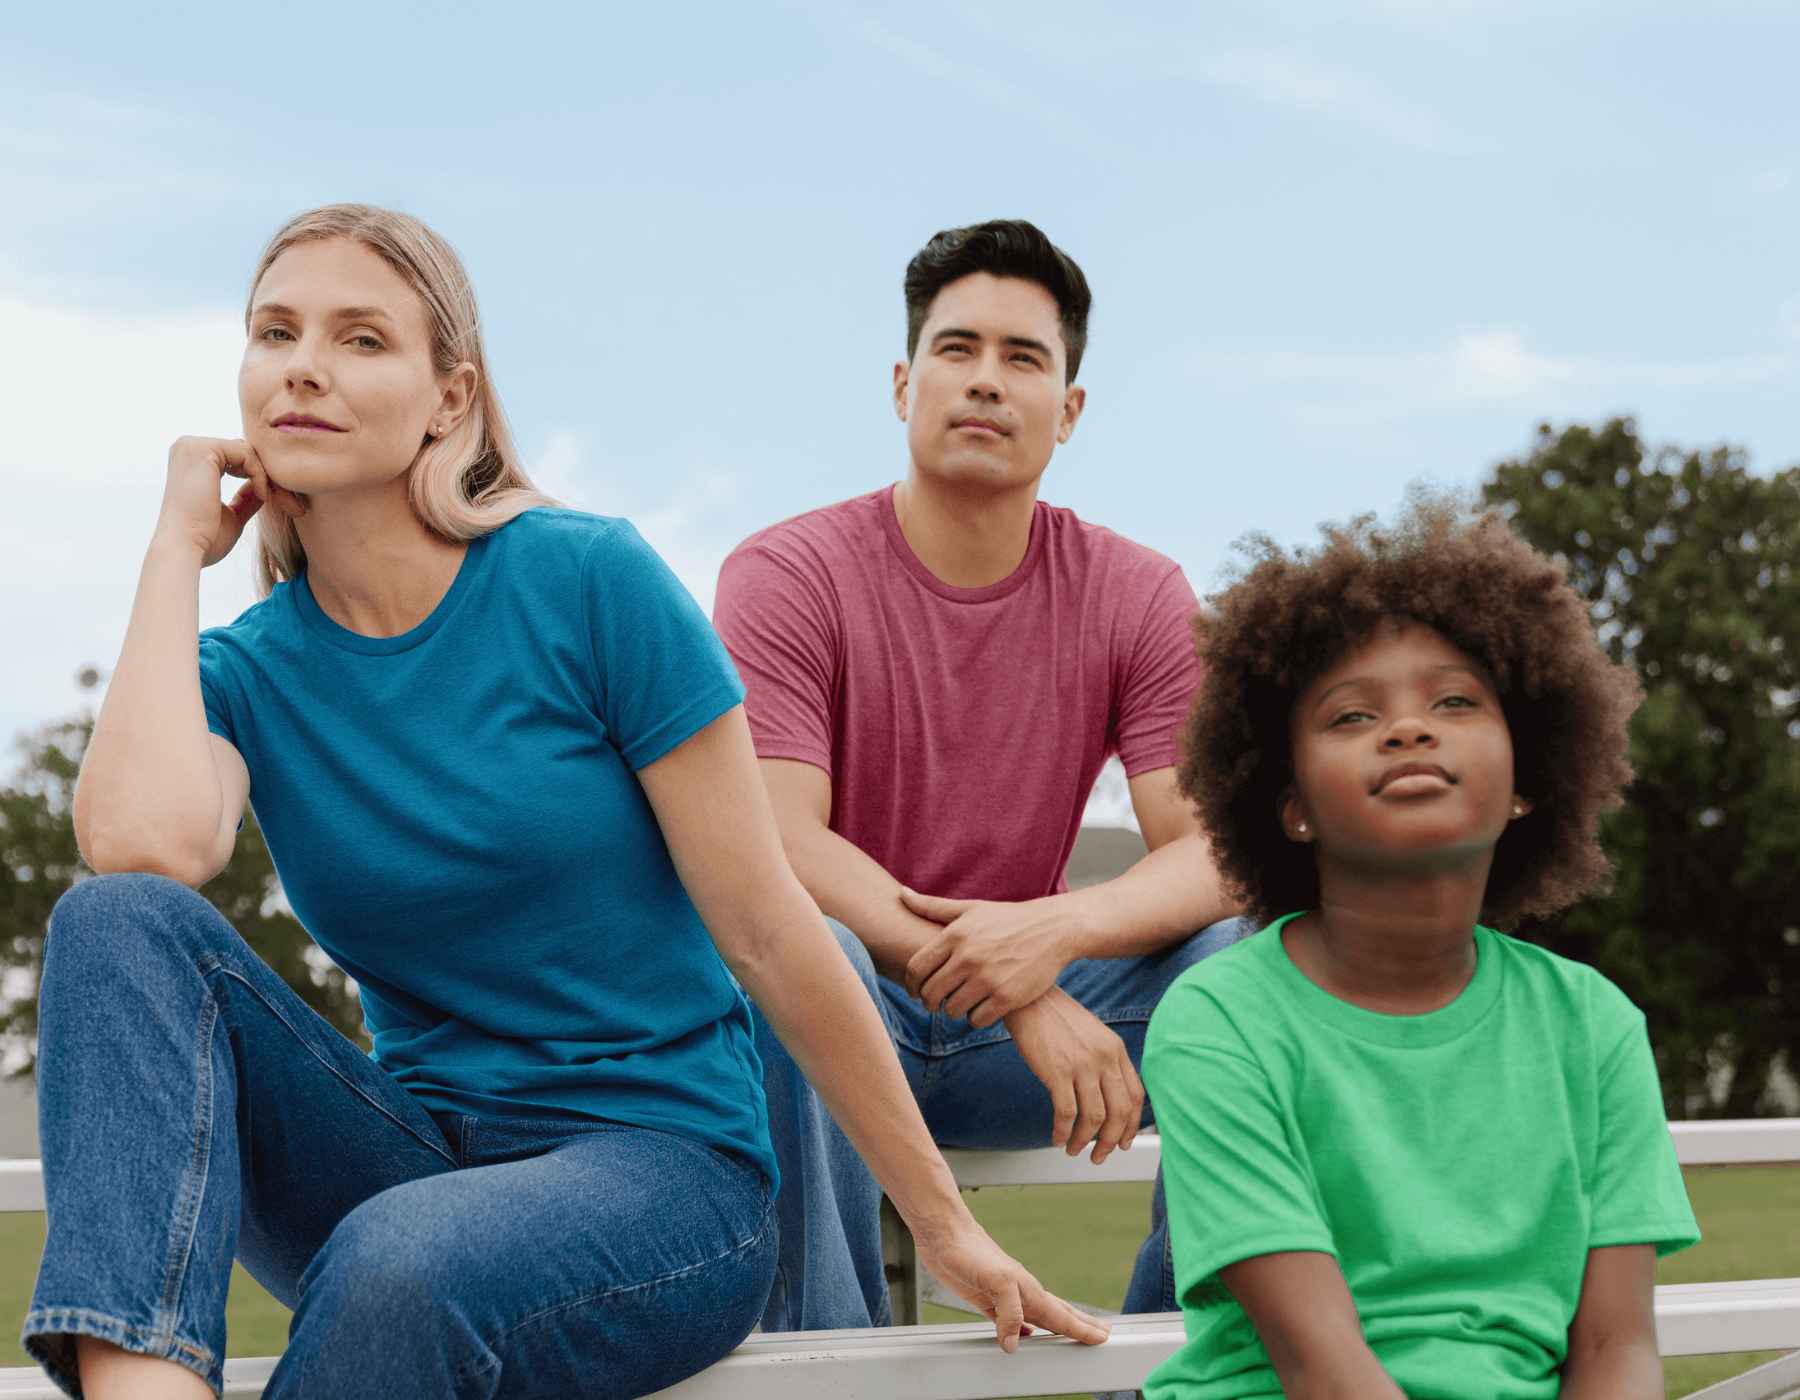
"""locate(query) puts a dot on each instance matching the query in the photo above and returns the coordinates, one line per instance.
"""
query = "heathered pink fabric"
(962, 728)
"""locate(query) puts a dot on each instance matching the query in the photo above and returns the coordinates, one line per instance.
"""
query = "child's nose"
(1408, 732)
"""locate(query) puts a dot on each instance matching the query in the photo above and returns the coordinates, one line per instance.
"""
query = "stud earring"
(1300, 828)
(1518, 808)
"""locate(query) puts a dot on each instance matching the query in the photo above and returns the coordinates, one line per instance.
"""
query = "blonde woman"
(502, 765)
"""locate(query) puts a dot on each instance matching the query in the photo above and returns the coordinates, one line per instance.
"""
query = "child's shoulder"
(1563, 984)
(1208, 1001)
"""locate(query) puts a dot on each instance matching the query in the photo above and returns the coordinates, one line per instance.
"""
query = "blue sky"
(1335, 248)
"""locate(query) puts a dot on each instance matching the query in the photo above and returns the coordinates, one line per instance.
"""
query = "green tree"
(1691, 565)
(38, 861)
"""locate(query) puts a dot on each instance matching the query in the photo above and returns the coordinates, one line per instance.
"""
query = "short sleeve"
(1159, 679)
(781, 628)
(660, 672)
(1638, 1194)
(1236, 1187)
(214, 690)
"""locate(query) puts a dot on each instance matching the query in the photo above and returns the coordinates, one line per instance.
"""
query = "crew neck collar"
(1432, 1028)
(323, 626)
(896, 537)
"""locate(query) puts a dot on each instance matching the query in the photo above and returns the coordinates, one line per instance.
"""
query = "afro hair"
(1290, 616)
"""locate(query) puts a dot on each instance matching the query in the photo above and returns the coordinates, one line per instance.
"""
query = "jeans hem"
(49, 1334)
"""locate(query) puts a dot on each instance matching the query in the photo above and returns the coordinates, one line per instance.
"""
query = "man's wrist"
(1076, 924)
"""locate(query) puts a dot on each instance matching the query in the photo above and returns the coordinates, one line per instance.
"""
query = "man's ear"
(1074, 400)
(1291, 812)
(902, 376)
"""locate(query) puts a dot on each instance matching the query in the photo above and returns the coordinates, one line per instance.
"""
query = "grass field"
(1748, 1215)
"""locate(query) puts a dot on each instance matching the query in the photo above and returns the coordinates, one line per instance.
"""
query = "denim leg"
(829, 1207)
(562, 1260)
(190, 1108)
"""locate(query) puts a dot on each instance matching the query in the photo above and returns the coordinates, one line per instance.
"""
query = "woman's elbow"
(113, 853)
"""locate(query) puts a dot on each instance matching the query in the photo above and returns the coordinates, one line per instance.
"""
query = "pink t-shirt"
(962, 728)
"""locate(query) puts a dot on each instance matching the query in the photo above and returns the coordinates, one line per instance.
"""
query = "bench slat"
(1698, 1143)
(959, 1361)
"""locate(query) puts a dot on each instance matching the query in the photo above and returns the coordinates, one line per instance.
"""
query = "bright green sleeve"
(1234, 1169)
(1638, 1194)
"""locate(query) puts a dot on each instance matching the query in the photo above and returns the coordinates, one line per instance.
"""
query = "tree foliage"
(38, 861)
(1691, 565)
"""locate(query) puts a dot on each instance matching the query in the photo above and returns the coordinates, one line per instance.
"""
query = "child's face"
(1402, 757)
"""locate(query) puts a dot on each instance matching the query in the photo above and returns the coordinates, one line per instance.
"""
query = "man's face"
(985, 400)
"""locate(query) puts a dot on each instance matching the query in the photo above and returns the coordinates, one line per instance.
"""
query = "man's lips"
(304, 423)
(1419, 777)
(980, 425)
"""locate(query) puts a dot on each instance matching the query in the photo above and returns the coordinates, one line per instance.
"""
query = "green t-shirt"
(1459, 1165)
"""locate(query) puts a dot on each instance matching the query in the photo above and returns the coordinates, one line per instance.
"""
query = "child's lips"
(1405, 779)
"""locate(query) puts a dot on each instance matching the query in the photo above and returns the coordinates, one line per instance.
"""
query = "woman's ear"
(1290, 811)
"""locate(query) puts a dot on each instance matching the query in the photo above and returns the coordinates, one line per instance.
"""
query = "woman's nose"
(303, 371)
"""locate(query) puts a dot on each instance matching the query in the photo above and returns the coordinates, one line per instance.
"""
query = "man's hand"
(992, 957)
(1096, 1093)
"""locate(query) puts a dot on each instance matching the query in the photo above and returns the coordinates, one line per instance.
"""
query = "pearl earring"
(1518, 808)
(1300, 828)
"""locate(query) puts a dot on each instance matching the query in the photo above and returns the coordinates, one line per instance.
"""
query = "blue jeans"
(193, 1109)
(975, 1090)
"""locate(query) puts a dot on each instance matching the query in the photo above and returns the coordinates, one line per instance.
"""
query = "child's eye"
(1458, 701)
(1346, 716)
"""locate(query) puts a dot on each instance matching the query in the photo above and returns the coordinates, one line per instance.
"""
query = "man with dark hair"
(937, 671)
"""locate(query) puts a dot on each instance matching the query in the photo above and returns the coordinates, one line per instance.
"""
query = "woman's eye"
(365, 342)
(276, 333)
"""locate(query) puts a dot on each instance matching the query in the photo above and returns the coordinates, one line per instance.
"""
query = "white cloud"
(1488, 366)
(99, 399)
(1292, 80)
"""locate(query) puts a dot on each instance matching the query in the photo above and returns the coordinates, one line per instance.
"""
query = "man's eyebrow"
(1024, 342)
(343, 313)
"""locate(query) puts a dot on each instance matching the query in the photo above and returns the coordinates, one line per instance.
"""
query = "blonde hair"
(468, 482)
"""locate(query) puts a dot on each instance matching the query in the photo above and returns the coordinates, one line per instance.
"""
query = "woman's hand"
(966, 1261)
(191, 508)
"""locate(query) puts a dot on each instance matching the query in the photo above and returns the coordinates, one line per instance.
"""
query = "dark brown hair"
(1005, 248)
(1290, 616)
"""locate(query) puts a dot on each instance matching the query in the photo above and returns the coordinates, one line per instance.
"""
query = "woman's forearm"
(812, 997)
(149, 795)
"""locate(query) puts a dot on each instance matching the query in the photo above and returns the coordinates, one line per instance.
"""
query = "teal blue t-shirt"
(456, 819)
(1459, 1165)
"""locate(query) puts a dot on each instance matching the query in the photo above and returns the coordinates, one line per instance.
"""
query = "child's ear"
(1291, 813)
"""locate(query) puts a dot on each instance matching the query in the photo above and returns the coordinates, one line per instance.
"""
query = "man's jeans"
(975, 1091)
(193, 1109)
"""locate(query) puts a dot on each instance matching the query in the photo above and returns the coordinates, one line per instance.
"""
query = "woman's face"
(337, 386)
(1402, 756)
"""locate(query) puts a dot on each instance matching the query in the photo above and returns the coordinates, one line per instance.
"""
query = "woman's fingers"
(1044, 1309)
(1009, 1315)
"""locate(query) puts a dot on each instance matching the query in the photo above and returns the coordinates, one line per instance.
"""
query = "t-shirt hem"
(786, 748)
(1275, 1244)
(682, 726)
(1669, 1237)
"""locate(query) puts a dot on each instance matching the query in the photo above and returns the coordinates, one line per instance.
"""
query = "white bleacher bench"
(959, 1361)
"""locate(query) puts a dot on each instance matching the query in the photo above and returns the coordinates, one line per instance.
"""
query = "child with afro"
(1407, 1155)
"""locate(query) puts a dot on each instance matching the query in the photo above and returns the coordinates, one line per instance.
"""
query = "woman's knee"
(118, 925)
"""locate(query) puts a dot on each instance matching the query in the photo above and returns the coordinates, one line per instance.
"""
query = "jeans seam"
(218, 964)
(193, 1184)
(492, 1359)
